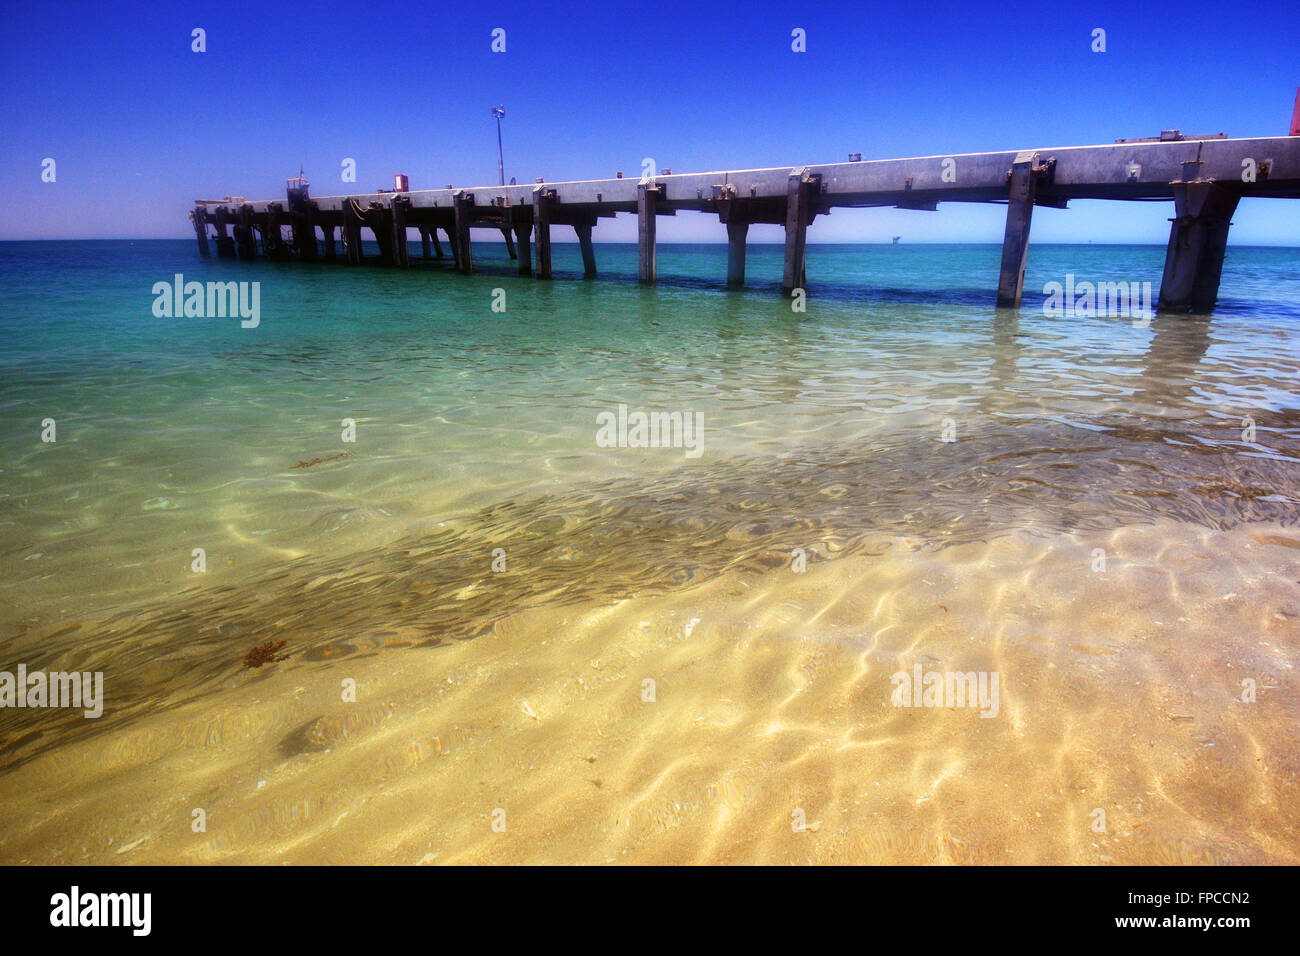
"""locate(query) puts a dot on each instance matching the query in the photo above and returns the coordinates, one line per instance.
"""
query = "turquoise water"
(175, 434)
(950, 471)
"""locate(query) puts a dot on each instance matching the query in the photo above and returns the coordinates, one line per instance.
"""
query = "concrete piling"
(522, 232)
(737, 230)
(801, 189)
(397, 217)
(647, 199)
(583, 229)
(352, 232)
(543, 205)
(464, 215)
(1015, 242)
(1198, 238)
(200, 217)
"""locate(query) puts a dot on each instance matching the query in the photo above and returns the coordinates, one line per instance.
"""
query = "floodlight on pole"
(498, 112)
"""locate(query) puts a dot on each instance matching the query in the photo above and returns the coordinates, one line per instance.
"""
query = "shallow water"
(1171, 448)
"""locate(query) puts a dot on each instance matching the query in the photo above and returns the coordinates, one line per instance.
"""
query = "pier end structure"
(1203, 178)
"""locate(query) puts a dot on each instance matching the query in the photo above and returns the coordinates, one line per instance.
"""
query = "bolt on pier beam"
(351, 232)
(1198, 238)
(799, 213)
(543, 203)
(464, 205)
(401, 254)
(647, 198)
(200, 218)
(1015, 241)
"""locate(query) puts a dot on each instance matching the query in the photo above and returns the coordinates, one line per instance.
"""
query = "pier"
(1204, 177)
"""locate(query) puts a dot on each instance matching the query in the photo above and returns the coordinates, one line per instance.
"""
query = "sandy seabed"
(704, 724)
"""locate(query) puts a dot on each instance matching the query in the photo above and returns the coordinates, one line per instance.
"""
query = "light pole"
(498, 112)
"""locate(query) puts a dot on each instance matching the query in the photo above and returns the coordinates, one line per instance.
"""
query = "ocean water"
(644, 654)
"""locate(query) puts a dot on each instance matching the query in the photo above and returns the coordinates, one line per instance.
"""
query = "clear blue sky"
(140, 126)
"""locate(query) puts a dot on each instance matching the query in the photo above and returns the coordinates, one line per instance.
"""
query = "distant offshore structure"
(896, 238)
(1205, 176)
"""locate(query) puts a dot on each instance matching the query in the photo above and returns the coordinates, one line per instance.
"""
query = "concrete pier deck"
(1204, 177)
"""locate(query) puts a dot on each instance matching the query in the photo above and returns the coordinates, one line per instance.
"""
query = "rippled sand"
(1119, 689)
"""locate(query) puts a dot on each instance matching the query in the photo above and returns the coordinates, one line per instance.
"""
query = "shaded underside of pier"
(1205, 179)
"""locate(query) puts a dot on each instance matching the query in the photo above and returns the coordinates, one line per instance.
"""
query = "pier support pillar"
(225, 245)
(245, 245)
(424, 242)
(330, 251)
(800, 209)
(1015, 242)
(510, 242)
(437, 246)
(401, 254)
(200, 219)
(588, 251)
(522, 231)
(464, 251)
(737, 231)
(272, 239)
(351, 232)
(1198, 238)
(543, 201)
(304, 232)
(647, 198)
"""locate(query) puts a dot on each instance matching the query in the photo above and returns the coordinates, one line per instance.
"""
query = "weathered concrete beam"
(543, 205)
(800, 209)
(1015, 240)
(464, 216)
(647, 199)
(1198, 238)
